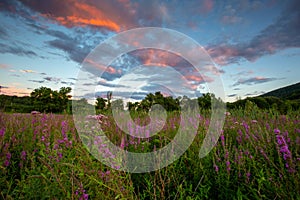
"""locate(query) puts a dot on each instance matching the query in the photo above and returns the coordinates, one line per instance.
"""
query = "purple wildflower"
(268, 126)
(228, 166)
(286, 152)
(280, 140)
(2, 132)
(246, 126)
(8, 156)
(248, 174)
(6, 163)
(216, 168)
(226, 154)
(84, 196)
(276, 131)
(59, 154)
(122, 145)
(222, 140)
(23, 155)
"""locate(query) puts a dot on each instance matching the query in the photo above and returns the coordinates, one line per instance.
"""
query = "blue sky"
(254, 44)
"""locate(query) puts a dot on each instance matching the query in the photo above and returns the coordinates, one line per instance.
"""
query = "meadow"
(256, 157)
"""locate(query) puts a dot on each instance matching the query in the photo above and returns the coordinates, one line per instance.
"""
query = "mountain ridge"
(288, 92)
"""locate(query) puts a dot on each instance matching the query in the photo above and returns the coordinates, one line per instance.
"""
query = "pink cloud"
(4, 66)
(103, 68)
(15, 91)
(207, 6)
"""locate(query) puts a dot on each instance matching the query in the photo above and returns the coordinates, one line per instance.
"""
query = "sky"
(253, 46)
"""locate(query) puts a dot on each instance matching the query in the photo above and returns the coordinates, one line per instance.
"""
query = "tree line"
(42, 99)
(46, 100)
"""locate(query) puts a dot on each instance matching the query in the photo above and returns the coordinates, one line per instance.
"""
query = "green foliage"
(100, 103)
(47, 100)
(42, 99)
(246, 163)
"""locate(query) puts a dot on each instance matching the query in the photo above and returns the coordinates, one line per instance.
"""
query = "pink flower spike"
(276, 131)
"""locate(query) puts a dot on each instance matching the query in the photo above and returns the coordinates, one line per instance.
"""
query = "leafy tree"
(205, 101)
(64, 96)
(47, 100)
(100, 103)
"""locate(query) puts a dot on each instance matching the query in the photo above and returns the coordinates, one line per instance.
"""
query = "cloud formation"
(16, 50)
(37, 81)
(282, 34)
(27, 71)
(253, 80)
(52, 79)
(232, 95)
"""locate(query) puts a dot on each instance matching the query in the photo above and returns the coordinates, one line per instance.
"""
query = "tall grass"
(256, 157)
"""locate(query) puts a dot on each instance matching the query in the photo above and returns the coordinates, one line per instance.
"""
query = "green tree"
(100, 103)
(47, 100)
(64, 97)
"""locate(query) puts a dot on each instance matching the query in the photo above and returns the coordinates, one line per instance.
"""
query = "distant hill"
(291, 92)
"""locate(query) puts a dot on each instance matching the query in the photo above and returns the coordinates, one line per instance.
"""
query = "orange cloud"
(158, 58)
(114, 15)
(108, 69)
(82, 14)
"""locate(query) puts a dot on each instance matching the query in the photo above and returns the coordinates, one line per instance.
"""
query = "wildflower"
(226, 154)
(227, 113)
(23, 155)
(222, 140)
(122, 145)
(55, 146)
(280, 140)
(59, 154)
(286, 152)
(287, 165)
(228, 166)
(2, 132)
(8, 156)
(63, 123)
(227, 163)
(85, 196)
(6, 163)
(268, 126)
(248, 174)
(246, 126)
(216, 168)
(35, 112)
(116, 167)
(276, 131)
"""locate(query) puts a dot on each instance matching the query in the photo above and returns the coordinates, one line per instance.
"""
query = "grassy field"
(257, 157)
